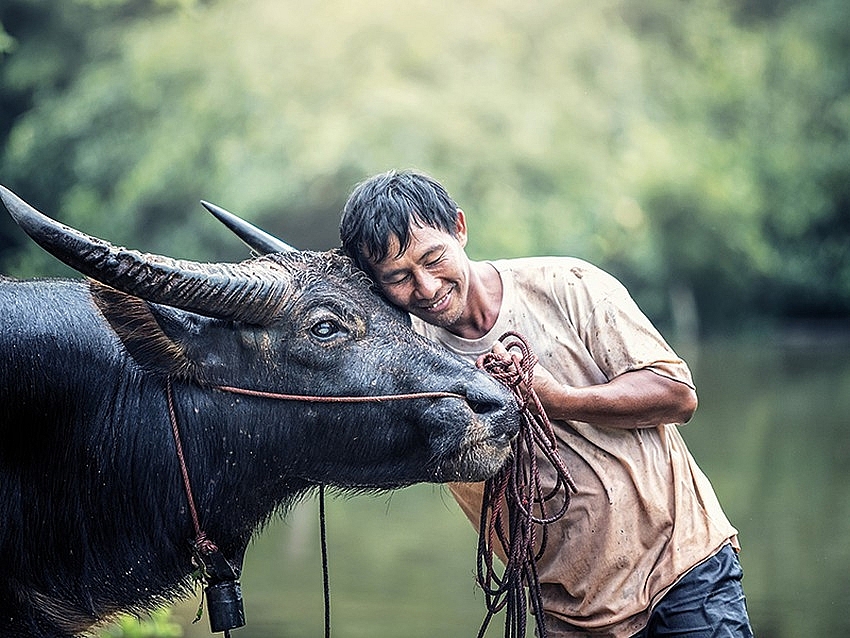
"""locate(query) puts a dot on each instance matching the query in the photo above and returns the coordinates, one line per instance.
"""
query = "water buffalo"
(95, 516)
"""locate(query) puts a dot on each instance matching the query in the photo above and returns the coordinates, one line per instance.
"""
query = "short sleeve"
(618, 335)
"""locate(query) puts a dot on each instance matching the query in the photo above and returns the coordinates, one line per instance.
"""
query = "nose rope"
(518, 489)
(203, 547)
(201, 541)
(338, 399)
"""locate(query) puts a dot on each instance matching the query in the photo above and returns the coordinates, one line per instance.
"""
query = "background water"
(772, 432)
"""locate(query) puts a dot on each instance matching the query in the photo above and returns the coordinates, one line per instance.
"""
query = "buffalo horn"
(250, 292)
(256, 238)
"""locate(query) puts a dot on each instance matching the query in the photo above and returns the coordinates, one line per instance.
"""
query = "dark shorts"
(708, 602)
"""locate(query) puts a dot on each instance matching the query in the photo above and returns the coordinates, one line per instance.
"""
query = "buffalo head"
(302, 323)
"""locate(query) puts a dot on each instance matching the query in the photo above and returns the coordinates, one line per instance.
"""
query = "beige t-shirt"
(645, 513)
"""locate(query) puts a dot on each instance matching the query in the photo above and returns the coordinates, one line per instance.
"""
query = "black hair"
(388, 204)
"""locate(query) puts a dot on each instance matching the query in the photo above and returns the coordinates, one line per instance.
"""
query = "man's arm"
(636, 399)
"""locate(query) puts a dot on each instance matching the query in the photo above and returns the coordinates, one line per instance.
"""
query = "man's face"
(430, 280)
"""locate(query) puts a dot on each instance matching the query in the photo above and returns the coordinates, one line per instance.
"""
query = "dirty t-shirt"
(644, 513)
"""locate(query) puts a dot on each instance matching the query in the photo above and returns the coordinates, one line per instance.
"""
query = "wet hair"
(388, 205)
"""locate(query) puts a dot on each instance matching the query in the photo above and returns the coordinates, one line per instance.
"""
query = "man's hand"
(501, 358)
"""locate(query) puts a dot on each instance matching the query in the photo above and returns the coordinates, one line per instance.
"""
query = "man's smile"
(440, 304)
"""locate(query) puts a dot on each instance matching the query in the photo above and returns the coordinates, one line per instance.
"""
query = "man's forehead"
(422, 240)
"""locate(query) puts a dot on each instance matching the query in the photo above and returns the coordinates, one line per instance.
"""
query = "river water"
(772, 432)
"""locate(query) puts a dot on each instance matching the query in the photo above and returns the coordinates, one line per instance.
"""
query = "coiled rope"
(517, 491)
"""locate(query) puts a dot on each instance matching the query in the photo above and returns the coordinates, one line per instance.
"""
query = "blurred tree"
(698, 150)
(803, 167)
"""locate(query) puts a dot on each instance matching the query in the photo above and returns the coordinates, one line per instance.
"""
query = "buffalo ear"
(141, 331)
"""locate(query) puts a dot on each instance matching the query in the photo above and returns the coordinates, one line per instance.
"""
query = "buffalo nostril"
(483, 407)
(487, 398)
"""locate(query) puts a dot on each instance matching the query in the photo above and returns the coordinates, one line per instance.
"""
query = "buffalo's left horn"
(256, 238)
(251, 292)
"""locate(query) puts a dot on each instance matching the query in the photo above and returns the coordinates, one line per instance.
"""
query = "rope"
(325, 571)
(202, 544)
(204, 547)
(323, 399)
(517, 488)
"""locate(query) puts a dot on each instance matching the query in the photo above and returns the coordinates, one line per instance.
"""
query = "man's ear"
(460, 228)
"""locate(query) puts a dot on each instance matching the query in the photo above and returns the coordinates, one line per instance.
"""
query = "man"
(645, 548)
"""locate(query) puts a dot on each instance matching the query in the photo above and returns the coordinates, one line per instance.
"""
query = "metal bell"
(224, 605)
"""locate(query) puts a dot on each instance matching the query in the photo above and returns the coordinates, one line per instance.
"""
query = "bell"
(224, 605)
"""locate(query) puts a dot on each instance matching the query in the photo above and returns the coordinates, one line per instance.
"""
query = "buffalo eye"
(326, 330)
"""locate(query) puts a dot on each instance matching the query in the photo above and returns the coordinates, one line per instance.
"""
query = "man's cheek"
(396, 298)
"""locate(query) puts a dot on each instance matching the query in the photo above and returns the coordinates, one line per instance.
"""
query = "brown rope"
(323, 399)
(204, 547)
(202, 544)
(517, 486)
(518, 489)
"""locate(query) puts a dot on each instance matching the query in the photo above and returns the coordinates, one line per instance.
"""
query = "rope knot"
(203, 545)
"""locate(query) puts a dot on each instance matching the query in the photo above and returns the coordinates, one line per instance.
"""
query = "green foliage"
(7, 43)
(160, 624)
(695, 148)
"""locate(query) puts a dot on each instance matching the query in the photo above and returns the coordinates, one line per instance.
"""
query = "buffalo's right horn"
(256, 238)
(252, 292)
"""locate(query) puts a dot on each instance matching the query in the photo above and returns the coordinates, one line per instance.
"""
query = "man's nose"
(427, 285)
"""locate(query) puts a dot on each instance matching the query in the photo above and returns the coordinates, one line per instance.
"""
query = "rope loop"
(517, 493)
